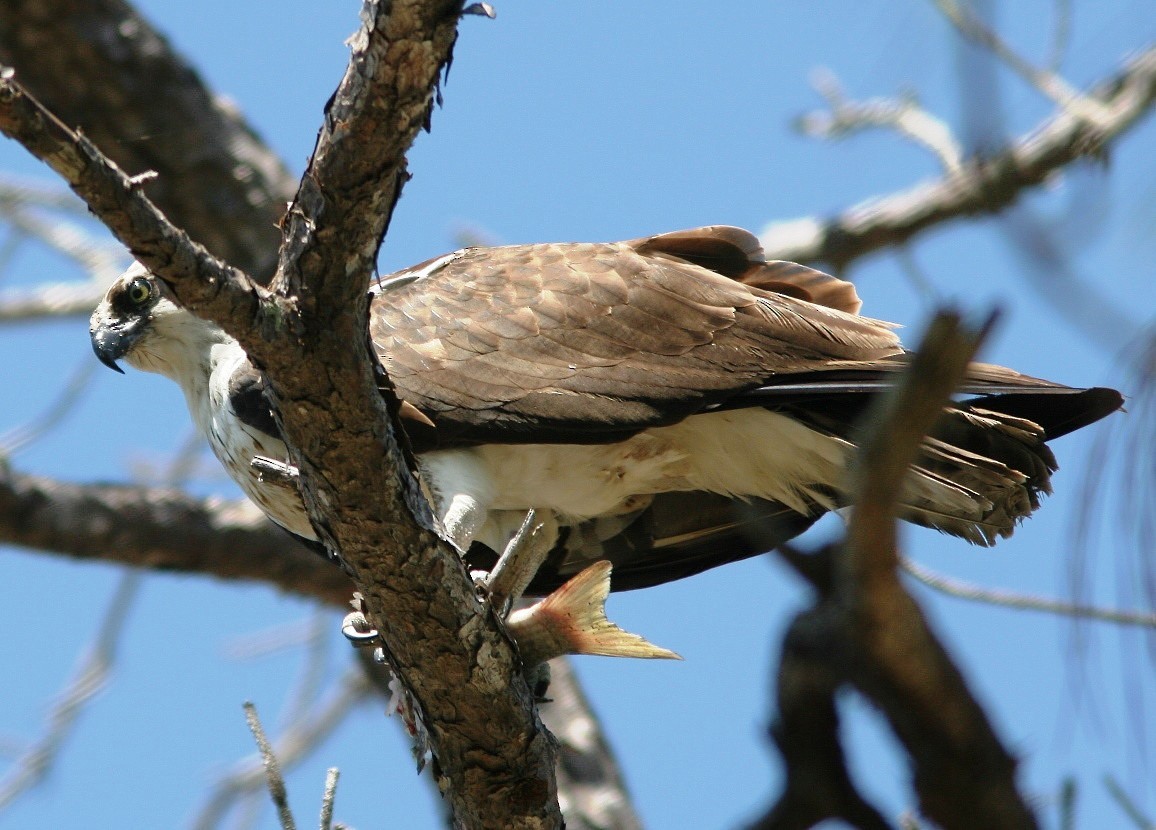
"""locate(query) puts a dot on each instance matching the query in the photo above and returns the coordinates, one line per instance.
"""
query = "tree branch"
(162, 529)
(963, 775)
(309, 337)
(102, 68)
(866, 630)
(983, 185)
(590, 786)
(208, 286)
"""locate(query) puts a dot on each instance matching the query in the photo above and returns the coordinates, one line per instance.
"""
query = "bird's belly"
(581, 481)
(743, 453)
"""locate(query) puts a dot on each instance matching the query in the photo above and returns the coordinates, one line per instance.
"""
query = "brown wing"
(587, 342)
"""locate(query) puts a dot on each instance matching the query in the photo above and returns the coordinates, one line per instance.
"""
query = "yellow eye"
(139, 291)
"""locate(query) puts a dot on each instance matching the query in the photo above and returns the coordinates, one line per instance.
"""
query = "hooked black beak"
(110, 345)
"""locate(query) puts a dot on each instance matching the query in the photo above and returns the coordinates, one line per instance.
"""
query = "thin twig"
(904, 115)
(1126, 804)
(1046, 81)
(328, 797)
(272, 768)
(295, 744)
(1011, 599)
(31, 768)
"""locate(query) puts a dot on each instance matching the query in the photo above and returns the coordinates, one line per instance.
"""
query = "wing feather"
(510, 344)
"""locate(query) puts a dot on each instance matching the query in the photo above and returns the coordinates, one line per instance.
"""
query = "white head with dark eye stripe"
(138, 321)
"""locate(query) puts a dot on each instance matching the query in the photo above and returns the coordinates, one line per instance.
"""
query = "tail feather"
(980, 473)
(572, 620)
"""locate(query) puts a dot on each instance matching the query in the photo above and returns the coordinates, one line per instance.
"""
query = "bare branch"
(1011, 599)
(272, 769)
(88, 681)
(904, 115)
(299, 739)
(984, 185)
(162, 529)
(101, 67)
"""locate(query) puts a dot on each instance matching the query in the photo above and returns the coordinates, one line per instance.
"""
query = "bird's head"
(138, 321)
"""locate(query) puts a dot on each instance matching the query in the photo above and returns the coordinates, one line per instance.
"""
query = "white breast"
(742, 453)
(235, 446)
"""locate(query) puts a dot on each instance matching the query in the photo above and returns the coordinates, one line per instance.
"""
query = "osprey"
(673, 403)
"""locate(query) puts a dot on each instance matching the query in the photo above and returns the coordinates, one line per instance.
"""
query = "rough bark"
(494, 758)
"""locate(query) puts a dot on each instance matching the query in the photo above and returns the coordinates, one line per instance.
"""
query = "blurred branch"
(806, 732)
(21, 436)
(1048, 269)
(963, 775)
(903, 115)
(1061, 35)
(1010, 599)
(101, 67)
(1068, 793)
(1135, 815)
(161, 529)
(23, 208)
(63, 299)
(1049, 83)
(591, 791)
(984, 185)
(299, 739)
(35, 763)
(866, 631)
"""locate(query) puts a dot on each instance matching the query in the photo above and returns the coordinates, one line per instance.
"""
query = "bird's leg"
(461, 520)
(523, 555)
(276, 473)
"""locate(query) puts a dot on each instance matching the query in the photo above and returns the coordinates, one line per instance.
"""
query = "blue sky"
(595, 122)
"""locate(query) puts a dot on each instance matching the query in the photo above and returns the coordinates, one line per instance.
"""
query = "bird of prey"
(673, 403)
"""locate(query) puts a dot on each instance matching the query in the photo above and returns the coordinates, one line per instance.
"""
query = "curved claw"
(357, 629)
